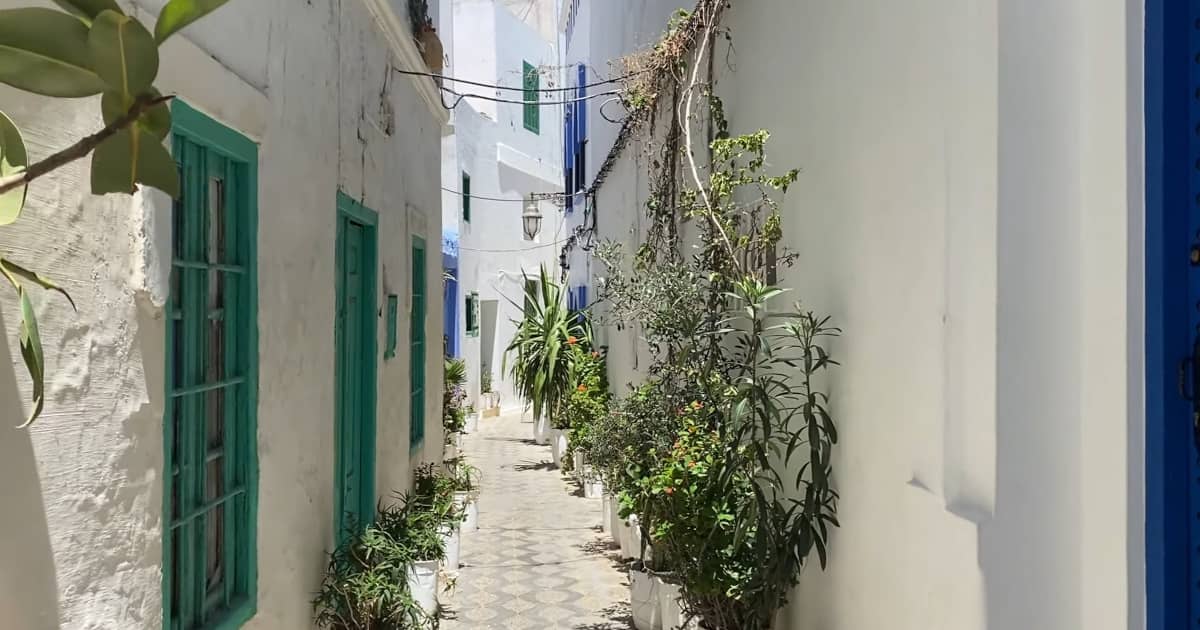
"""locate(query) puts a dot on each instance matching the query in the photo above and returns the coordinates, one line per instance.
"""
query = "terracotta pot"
(431, 50)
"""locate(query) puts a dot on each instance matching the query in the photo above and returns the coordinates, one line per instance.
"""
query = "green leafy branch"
(89, 48)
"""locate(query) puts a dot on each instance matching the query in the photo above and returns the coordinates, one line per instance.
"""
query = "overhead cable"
(517, 89)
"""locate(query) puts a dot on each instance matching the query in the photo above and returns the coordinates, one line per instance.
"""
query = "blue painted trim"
(1168, 168)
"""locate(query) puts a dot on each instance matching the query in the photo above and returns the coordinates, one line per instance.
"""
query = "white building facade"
(996, 204)
(249, 364)
(498, 156)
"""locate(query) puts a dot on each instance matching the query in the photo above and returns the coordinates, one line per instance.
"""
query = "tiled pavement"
(538, 560)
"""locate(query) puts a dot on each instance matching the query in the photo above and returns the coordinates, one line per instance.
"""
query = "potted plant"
(472, 421)
(454, 412)
(433, 493)
(490, 400)
(540, 354)
(373, 580)
(644, 598)
(466, 492)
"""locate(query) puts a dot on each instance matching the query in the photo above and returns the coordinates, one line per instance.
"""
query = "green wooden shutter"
(417, 346)
(532, 87)
(210, 435)
(466, 197)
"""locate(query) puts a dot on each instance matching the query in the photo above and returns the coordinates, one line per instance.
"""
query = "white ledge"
(408, 56)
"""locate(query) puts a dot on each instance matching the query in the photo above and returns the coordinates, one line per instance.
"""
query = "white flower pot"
(580, 464)
(558, 445)
(458, 440)
(451, 539)
(541, 430)
(472, 423)
(467, 505)
(593, 487)
(670, 608)
(635, 537)
(450, 452)
(422, 585)
(626, 538)
(643, 599)
(606, 517)
(614, 519)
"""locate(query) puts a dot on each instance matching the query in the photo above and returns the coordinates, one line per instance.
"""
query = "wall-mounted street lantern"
(531, 219)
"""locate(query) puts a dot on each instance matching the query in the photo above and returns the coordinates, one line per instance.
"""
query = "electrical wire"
(538, 103)
(552, 196)
(556, 243)
(517, 89)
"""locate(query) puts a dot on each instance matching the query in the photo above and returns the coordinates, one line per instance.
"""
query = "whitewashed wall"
(969, 212)
(82, 536)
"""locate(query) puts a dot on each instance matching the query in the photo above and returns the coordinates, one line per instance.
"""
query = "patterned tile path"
(538, 560)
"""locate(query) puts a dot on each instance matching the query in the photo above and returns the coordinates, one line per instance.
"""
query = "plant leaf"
(88, 8)
(10, 267)
(133, 157)
(180, 13)
(156, 120)
(123, 53)
(13, 160)
(31, 352)
(46, 52)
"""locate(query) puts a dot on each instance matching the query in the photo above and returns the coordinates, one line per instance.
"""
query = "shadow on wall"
(28, 585)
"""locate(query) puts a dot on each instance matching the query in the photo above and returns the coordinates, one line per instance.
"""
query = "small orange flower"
(691, 464)
(582, 388)
(572, 340)
(670, 490)
(595, 355)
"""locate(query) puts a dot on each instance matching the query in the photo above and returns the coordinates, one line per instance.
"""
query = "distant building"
(498, 154)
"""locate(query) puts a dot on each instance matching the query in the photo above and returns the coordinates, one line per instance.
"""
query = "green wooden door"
(355, 443)
(416, 354)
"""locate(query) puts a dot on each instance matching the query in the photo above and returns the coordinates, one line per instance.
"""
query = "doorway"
(354, 492)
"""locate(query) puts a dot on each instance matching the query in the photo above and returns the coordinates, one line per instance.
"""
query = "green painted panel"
(532, 89)
(210, 426)
(417, 346)
(356, 369)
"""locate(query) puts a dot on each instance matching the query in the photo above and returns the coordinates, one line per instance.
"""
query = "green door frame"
(349, 210)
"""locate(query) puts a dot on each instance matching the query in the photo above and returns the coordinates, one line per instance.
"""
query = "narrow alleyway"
(538, 560)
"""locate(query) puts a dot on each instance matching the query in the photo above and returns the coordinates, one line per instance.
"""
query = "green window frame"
(210, 436)
(466, 197)
(393, 317)
(532, 87)
(472, 314)
(416, 430)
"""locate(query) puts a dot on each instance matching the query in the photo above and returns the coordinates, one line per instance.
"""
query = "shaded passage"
(538, 560)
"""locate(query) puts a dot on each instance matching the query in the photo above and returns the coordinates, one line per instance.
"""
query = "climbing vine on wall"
(737, 495)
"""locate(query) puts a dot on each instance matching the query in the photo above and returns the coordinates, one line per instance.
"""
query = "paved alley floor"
(538, 560)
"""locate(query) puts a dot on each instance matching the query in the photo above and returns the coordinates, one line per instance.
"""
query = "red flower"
(582, 388)
(572, 340)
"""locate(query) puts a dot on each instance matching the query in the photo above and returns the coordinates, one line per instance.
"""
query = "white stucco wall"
(968, 212)
(82, 541)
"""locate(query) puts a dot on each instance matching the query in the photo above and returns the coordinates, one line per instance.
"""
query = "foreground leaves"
(88, 9)
(133, 156)
(123, 53)
(180, 13)
(13, 160)
(46, 52)
(29, 337)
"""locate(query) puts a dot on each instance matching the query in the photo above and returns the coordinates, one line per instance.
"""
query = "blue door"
(1172, 315)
